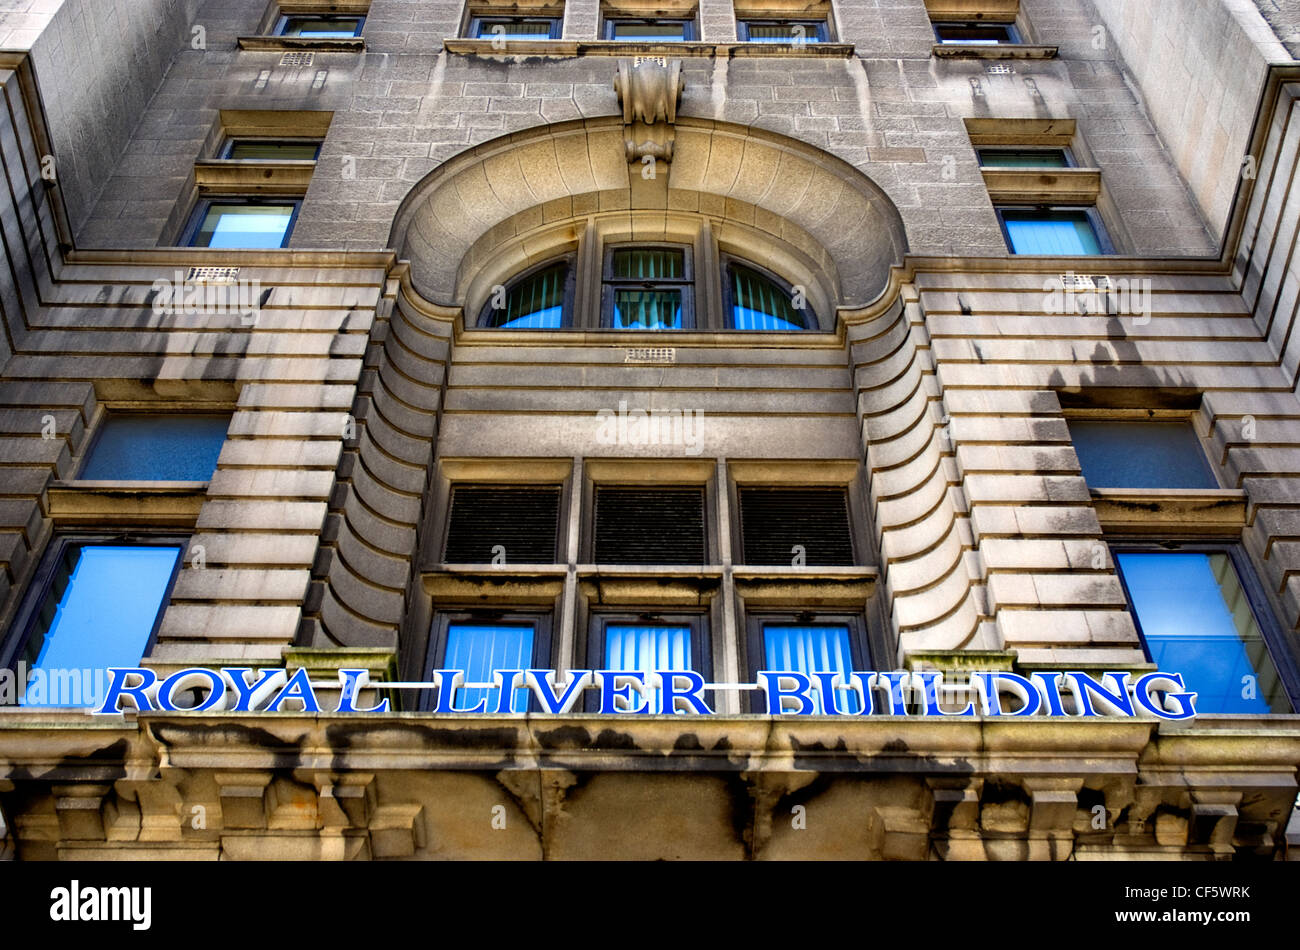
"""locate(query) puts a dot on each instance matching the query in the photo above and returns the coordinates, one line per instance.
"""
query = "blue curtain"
(534, 303)
(480, 649)
(646, 648)
(811, 648)
(760, 304)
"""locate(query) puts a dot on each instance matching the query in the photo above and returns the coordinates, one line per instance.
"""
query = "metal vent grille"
(297, 59)
(503, 525)
(775, 523)
(649, 526)
(213, 275)
(651, 354)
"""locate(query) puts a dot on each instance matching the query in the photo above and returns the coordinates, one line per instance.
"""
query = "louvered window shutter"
(650, 526)
(523, 521)
(775, 520)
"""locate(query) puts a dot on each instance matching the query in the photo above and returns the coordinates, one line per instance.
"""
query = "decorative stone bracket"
(649, 89)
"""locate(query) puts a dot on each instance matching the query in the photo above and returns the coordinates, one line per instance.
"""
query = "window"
(479, 645)
(978, 34)
(514, 28)
(1025, 158)
(1154, 455)
(649, 29)
(180, 447)
(503, 524)
(648, 288)
(808, 644)
(1196, 617)
(269, 150)
(92, 605)
(782, 31)
(649, 526)
(760, 301)
(320, 27)
(1068, 232)
(778, 524)
(681, 278)
(647, 643)
(539, 300)
(259, 223)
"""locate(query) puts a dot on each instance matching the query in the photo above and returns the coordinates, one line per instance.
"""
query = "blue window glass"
(811, 648)
(760, 303)
(535, 302)
(1196, 620)
(1061, 232)
(100, 612)
(1140, 455)
(479, 649)
(646, 648)
(179, 447)
(321, 27)
(236, 224)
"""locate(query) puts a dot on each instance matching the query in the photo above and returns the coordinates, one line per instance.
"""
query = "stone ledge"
(125, 504)
(230, 176)
(295, 44)
(1001, 51)
(1071, 186)
(566, 49)
(1171, 512)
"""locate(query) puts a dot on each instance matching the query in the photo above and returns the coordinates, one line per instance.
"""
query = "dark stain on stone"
(564, 737)
(688, 742)
(612, 739)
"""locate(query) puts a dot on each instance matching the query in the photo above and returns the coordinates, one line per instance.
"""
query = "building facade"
(854, 335)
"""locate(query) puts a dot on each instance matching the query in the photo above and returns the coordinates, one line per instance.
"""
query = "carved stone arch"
(511, 188)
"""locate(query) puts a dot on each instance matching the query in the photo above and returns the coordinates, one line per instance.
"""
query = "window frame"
(1064, 150)
(232, 141)
(1014, 36)
(1090, 211)
(440, 631)
(567, 319)
(39, 587)
(205, 202)
(599, 619)
(1284, 661)
(101, 427)
(609, 285)
(727, 261)
(743, 25)
(282, 20)
(755, 647)
(608, 24)
(476, 20)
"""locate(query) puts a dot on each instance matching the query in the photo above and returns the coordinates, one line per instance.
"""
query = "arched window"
(537, 300)
(759, 301)
(679, 277)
